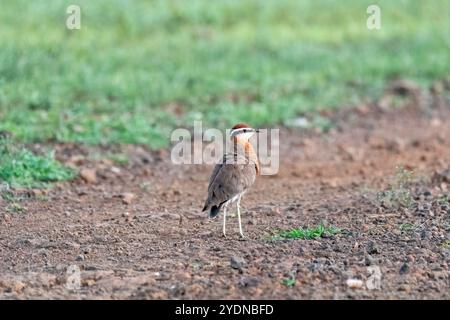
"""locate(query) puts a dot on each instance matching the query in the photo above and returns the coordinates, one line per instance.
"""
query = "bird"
(231, 178)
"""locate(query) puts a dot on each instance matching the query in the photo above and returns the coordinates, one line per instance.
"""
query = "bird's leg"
(224, 220)
(239, 216)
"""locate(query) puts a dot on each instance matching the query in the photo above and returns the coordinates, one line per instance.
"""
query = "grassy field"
(137, 69)
(20, 167)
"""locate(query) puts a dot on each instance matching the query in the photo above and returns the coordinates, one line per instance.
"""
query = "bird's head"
(242, 131)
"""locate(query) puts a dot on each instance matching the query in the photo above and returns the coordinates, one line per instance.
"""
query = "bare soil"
(136, 231)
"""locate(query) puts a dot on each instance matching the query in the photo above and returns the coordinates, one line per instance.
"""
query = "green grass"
(137, 69)
(15, 207)
(446, 245)
(306, 233)
(119, 158)
(444, 199)
(19, 167)
(288, 282)
(407, 227)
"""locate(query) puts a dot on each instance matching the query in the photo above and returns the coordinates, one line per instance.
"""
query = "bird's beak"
(256, 130)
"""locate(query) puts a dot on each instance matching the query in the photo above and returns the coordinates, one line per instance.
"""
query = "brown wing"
(229, 179)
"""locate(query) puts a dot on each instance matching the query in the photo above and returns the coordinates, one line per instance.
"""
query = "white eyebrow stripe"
(236, 131)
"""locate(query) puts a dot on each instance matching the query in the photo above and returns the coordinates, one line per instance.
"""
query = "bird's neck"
(248, 150)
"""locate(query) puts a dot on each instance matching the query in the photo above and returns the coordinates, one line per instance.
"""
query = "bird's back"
(229, 179)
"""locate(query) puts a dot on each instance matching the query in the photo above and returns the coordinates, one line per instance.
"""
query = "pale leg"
(239, 216)
(224, 221)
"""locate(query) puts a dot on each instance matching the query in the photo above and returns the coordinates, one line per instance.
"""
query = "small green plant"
(289, 282)
(19, 167)
(444, 199)
(321, 123)
(399, 194)
(307, 233)
(445, 245)
(144, 185)
(119, 158)
(406, 227)
(15, 208)
(398, 101)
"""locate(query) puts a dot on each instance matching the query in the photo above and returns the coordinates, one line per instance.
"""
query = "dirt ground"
(136, 230)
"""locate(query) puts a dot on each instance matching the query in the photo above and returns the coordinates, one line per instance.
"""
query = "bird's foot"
(242, 238)
(224, 235)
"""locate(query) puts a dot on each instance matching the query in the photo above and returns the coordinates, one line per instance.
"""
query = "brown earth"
(136, 231)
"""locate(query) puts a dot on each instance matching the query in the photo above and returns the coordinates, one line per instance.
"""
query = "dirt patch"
(136, 230)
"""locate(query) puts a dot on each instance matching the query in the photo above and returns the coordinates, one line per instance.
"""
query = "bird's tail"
(213, 211)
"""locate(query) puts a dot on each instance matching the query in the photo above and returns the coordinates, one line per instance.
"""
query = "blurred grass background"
(137, 69)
